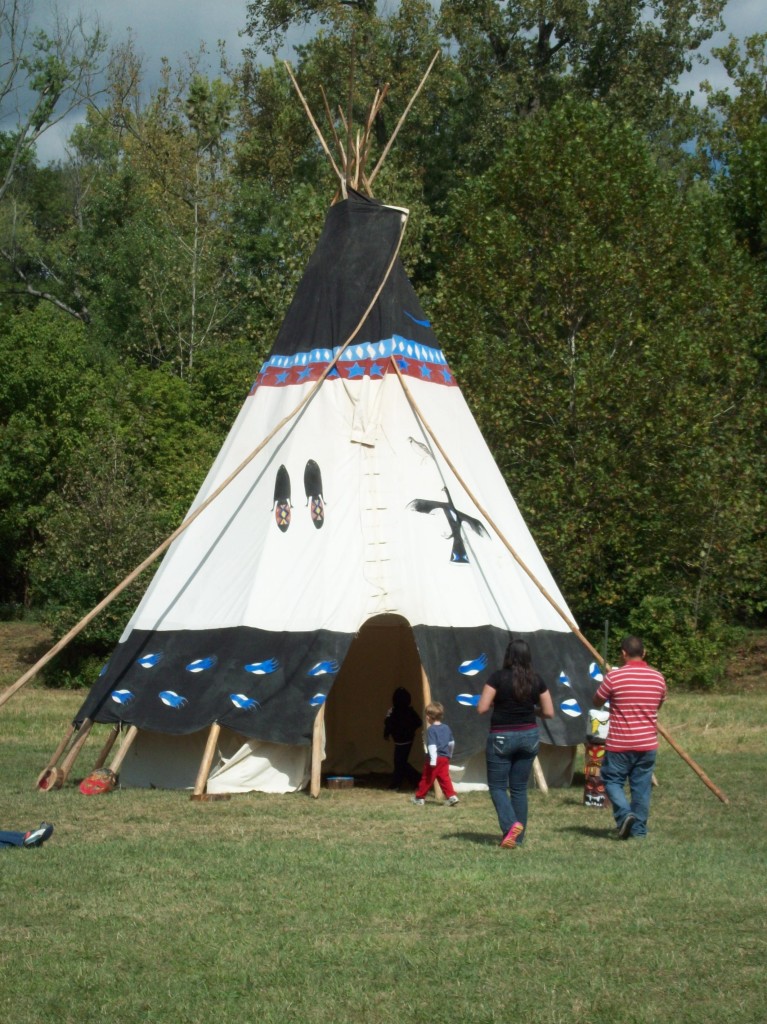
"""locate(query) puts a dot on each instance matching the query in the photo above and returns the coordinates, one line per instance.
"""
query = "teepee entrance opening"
(382, 657)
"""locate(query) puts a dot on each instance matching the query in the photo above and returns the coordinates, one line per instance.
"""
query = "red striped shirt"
(635, 691)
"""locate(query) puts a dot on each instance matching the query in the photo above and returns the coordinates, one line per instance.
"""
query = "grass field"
(359, 907)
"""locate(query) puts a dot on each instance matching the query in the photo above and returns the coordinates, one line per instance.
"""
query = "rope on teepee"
(32, 672)
(526, 569)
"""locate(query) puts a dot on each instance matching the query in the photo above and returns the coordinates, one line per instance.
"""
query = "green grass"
(359, 907)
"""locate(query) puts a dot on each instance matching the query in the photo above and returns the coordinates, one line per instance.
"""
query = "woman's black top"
(508, 712)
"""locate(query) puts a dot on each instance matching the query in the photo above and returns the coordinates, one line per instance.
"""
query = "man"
(635, 692)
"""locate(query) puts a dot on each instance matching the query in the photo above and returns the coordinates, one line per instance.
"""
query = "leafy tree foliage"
(125, 490)
(47, 413)
(739, 139)
(602, 321)
(44, 76)
(163, 212)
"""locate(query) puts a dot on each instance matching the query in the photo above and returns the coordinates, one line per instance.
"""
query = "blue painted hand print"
(471, 668)
(243, 703)
(323, 668)
(122, 697)
(263, 668)
(149, 660)
(201, 664)
(173, 699)
(469, 700)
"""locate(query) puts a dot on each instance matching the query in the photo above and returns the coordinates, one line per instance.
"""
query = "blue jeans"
(636, 768)
(510, 757)
(12, 838)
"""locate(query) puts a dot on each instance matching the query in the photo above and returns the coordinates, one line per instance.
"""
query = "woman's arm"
(545, 707)
(486, 699)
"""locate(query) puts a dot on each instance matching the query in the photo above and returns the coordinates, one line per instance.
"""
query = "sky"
(173, 28)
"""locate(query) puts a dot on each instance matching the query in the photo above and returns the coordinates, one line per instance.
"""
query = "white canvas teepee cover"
(349, 512)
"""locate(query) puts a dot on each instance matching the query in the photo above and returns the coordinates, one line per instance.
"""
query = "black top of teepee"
(352, 257)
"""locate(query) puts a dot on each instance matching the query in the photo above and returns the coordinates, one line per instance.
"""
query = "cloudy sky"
(171, 28)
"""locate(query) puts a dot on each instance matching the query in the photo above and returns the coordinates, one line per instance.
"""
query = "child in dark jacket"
(401, 724)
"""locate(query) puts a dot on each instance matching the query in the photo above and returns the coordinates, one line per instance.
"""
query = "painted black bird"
(455, 521)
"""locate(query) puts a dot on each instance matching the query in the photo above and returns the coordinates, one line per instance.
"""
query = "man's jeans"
(636, 768)
(510, 757)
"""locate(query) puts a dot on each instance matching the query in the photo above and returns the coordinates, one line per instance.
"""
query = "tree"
(122, 493)
(737, 139)
(521, 56)
(156, 239)
(44, 76)
(48, 411)
(601, 321)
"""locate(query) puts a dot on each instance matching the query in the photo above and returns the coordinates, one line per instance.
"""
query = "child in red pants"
(439, 750)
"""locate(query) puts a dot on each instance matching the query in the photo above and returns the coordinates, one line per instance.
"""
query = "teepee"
(361, 537)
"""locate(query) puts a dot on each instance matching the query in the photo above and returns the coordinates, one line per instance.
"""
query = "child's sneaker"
(451, 801)
(511, 837)
(417, 800)
(37, 836)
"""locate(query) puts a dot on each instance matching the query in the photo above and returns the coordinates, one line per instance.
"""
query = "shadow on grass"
(480, 838)
(589, 830)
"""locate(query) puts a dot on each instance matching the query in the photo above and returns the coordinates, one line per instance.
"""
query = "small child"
(439, 749)
(401, 724)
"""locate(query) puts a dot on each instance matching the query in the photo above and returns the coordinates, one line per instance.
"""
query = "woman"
(516, 694)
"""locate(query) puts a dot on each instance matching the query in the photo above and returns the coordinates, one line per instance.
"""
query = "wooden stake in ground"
(205, 766)
(125, 746)
(114, 732)
(540, 778)
(318, 737)
(45, 779)
(53, 777)
(426, 685)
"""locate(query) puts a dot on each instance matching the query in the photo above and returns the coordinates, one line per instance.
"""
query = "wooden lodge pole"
(114, 732)
(123, 749)
(531, 575)
(695, 767)
(205, 765)
(68, 762)
(318, 731)
(426, 685)
(540, 778)
(45, 778)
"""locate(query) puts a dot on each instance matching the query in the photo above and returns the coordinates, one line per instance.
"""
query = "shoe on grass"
(417, 800)
(624, 829)
(512, 836)
(451, 801)
(37, 836)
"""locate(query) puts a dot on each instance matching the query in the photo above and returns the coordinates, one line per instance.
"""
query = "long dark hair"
(519, 663)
